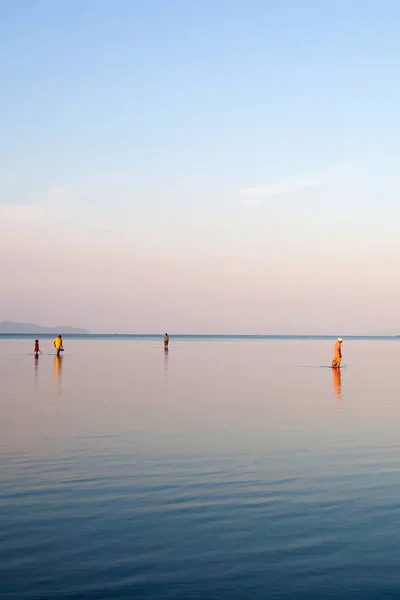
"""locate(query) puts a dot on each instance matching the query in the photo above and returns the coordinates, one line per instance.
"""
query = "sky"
(213, 166)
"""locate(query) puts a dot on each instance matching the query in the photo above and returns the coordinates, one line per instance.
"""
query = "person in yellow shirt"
(337, 354)
(58, 344)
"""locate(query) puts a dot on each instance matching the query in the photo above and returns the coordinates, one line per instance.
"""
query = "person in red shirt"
(36, 348)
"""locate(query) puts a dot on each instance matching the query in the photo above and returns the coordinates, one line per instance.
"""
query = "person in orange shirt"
(337, 354)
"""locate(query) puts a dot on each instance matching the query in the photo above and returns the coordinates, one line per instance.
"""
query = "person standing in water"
(337, 354)
(36, 349)
(166, 341)
(58, 344)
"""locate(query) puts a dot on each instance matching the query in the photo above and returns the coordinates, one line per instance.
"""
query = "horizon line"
(236, 335)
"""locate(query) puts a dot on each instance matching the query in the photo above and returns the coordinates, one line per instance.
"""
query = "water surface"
(228, 469)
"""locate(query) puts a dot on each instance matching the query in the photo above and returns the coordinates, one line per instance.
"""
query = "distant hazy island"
(9, 327)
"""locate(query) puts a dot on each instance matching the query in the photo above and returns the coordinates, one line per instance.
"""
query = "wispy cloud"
(280, 189)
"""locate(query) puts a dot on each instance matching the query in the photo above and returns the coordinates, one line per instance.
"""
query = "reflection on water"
(166, 357)
(36, 368)
(337, 384)
(57, 375)
(236, 481)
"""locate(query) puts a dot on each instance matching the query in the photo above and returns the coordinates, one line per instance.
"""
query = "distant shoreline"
(14, 328)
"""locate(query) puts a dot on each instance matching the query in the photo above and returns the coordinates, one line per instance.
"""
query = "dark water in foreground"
(221, 470)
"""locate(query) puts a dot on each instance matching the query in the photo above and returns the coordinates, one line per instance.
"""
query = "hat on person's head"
(339, 340)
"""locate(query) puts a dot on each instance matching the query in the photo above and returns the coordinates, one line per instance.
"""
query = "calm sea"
(227, 468)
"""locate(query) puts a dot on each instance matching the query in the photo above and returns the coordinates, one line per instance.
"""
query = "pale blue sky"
(213, 166)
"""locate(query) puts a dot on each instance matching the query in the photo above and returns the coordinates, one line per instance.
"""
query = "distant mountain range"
(9, 327)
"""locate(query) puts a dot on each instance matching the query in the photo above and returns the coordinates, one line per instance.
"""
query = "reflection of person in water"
(165, 362)
(57, 374)
(36, 367)
(337, 384)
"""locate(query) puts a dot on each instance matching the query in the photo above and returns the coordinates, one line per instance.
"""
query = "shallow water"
(233, 469)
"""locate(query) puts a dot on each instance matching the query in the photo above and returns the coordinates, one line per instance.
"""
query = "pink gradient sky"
(286, 275)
